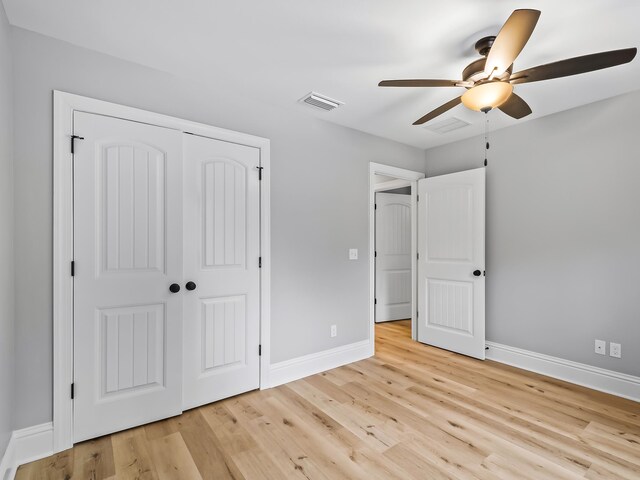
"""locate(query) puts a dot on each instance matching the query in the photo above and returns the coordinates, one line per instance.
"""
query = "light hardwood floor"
(412, 411)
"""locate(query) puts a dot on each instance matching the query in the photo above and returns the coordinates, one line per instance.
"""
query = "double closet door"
(166, 273)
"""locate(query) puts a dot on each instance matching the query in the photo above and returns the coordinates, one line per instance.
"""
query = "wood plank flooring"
(412, 411)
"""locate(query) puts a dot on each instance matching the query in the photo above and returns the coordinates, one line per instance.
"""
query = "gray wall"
(319, 201)
(6, 234)
(563, 230)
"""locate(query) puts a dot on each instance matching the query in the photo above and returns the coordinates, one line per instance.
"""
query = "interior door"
(451, 282)
(222, 250)
(127, 251)
(393, 257)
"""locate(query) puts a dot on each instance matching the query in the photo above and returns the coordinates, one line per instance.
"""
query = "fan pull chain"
(486, 137)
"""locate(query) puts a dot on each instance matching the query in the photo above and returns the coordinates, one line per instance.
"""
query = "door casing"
(65, 104)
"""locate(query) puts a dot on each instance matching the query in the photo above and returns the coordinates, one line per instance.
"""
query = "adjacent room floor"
(412, 411)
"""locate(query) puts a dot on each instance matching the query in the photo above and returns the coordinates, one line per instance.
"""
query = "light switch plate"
(353, 254)
(601, 347)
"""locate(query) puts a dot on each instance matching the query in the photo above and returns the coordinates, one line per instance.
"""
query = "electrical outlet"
(601, 347)
(334, 331)
(615, 350)
(353, 254)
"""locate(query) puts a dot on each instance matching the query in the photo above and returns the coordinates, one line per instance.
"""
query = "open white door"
(221, 269)
(128, 251)
(393, 257)
(451, 282)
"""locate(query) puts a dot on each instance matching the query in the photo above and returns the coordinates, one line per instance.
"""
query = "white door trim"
(412, 178)
(64, 106)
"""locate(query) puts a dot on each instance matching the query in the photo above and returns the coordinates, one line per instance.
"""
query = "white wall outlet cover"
(353, 254)
(615, 350)
(601, 347)
(334, 331)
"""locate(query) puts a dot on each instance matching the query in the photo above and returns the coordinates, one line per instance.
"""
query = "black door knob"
(174, 288)
(477, 273)
(190, 286)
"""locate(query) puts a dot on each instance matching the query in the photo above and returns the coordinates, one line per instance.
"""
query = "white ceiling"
(282, 49)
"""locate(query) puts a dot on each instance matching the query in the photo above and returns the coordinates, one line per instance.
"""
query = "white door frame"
(407, 178)
(65, 104)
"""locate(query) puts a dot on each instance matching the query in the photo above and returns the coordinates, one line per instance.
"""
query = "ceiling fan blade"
(515, 107)
(574, 66)
(419, 83)
(438, 111)
(512, 38)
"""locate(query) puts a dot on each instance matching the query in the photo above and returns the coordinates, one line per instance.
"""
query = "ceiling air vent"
(322, 102)
(446, 126)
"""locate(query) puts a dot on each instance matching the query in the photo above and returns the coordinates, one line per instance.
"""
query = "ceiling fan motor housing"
(474, 72)
(483, 45)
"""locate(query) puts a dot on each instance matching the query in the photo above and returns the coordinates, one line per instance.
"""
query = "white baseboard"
(297, 368)
(608, 381)
(26, 445)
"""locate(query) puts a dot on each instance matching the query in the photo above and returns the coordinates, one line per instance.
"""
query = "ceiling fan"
(489, 81)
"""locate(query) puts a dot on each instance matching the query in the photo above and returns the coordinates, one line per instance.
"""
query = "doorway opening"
(392, 253)
(393, 245)
(447, 224)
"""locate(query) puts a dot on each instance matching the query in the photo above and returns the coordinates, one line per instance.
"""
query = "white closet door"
(222, 250)
(393, 257)
(451, 224)
(128, 251)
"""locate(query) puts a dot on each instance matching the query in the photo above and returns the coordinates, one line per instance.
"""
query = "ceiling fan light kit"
(487, 96)
(489, 81)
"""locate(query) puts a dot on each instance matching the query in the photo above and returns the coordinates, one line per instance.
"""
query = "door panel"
(451, 229)
(133, 340)
(222, 249)
(224, 213)
(449, 304)
(127, 250)
(223, 330)
(132, 207)
(393, 257)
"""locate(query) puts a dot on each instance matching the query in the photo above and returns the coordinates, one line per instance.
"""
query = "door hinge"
(375, 301)
(73, 268)
(375, 254)
(259, 262)
(72, 391)
(259, 350)
(417, 198)
(73, 142)
(418, 256)
(375, 206)
(260, 172)
(417, 314)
